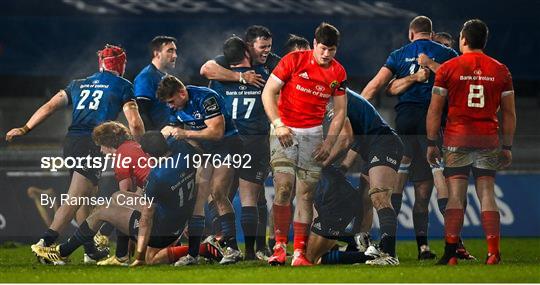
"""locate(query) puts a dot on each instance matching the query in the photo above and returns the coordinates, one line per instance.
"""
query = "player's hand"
(433, 155)
(178, 133)
(284, 135)
(424, 60)
(15, 133)
(166, 131)
(253, 78)
(322, 152)
(422, 74)
(137, 262)
(505, 158)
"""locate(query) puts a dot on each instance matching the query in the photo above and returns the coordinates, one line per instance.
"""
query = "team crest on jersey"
(334, 84)
(197, 115)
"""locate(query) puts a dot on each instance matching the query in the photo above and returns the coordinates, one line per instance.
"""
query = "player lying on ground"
(95, 99)
(157, 220)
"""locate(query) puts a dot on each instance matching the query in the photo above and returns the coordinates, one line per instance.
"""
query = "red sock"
(282, 222)
(175, 252)
(491, 222)
(300, 235)
(453, 222)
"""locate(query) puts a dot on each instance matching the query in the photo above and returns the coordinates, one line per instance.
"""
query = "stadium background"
(45, 44)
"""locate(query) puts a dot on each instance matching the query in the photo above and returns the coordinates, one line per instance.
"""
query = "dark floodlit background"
(45, 44)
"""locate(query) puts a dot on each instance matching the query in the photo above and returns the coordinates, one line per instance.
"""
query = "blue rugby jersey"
(203, 104)
(146, 84)
(403, 62)
(97, 99)
(244, 103)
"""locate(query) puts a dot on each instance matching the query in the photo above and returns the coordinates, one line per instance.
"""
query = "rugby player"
(414, 95)
(95, 99)
(476, 87)
(244, 103)
(157, 220)
(259, 41)
(200, 113)
(306, 80)
(155, 114)
(114, 138)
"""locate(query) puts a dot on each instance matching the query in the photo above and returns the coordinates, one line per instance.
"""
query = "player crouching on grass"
(156, 226)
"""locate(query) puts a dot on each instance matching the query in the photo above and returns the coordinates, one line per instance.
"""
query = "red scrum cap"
(112, 58)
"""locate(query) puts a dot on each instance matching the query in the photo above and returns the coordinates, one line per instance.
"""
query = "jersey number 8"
(476, 96)
(94, 104)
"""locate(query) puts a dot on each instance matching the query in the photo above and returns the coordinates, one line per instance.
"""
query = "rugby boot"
(280, 254)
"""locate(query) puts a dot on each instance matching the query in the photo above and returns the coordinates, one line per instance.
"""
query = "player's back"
(365, 120)
(475, 84)
(244, 103)
(97, 99)
(403, 62)
(135, 171)
(172, 182)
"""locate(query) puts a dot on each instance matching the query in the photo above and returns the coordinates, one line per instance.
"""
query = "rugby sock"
(49, 237)
(344, 257)
(442, 204)
(453, 222)
(300, 235)
(420, 221)
(81, 236)
(396, 200)
(89, 247)
(122, 244)
(388, 223)
(175, 252)
(214, 217)
(282, 222)
(228, 229)
(248, 220)
(262, 212)
(351, 244)
(196, 229)
(491, 222)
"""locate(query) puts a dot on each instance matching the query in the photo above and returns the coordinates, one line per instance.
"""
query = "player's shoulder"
(338, 66)
(130, 148)
(200, 92)
(272, 61)
(149, 72)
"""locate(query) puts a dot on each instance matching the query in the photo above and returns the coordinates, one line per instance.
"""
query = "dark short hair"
(154, 144)
(445, 36)
(158, 42)
(476, 33)
(294, 42)
(327, 35)
(421, 24)
(168, 86)
(256, 31)
(234, 50)
(111, 134)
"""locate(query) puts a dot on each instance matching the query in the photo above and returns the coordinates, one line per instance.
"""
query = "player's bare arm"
(125, 185)
(322, 152)
(213, 71)
(342, 144)
(269, 96)
(433, 124)
(508, 126)
(57, 101)
(214, 131)
(399, 85)
(145, 228)
(424, 60)
(135, 122)
(381, 79)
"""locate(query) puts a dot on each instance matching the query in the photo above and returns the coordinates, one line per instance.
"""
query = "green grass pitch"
(521, 263)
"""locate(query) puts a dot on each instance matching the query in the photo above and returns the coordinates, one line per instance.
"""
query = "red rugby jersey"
(133, 150)
(474, 84)
(307, 88)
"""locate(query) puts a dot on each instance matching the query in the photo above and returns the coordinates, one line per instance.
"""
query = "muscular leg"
(303, 214)
(401, 181)
(490, 212)
(220, 184)
(382, 179)
(317, 247)
(422, 194)
(281, 210)
(196, 222)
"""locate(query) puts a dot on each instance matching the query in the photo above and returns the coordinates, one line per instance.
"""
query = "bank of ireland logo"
(242, 87)
(319, 88)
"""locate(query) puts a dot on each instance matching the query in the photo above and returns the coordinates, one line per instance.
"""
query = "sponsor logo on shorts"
(391, 160)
